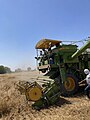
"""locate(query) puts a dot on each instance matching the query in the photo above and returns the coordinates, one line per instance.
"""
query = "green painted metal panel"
(82, 49)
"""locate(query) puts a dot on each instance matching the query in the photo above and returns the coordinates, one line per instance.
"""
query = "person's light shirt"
(88, 79)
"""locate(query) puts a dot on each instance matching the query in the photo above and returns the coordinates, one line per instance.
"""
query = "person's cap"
(86, 71)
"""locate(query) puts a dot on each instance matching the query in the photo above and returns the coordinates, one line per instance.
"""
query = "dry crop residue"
(14, 106)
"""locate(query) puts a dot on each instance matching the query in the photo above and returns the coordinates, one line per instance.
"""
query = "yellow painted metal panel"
(44, 43)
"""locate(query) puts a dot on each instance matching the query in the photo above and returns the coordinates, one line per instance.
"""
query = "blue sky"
(24, 22)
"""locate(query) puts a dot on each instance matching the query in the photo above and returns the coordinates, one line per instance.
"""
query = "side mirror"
(35, 57)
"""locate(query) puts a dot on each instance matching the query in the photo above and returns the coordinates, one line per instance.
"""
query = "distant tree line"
(20, 70)
(4, 69)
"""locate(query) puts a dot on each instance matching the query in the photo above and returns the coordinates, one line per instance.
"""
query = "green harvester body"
(64, 63)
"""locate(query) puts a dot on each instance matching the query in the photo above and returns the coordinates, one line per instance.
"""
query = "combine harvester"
(62, 65)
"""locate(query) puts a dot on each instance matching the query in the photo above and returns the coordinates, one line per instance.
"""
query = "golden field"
(14, 106)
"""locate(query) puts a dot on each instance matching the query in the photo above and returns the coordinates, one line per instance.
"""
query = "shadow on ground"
(62, 101)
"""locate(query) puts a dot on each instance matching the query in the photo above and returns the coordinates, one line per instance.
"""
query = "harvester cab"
(46, 51)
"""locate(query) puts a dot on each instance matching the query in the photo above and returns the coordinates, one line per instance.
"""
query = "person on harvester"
(87, 89)
(87, 80)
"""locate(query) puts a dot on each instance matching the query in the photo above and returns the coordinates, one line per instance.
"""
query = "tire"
(70, 86)
(44, 70)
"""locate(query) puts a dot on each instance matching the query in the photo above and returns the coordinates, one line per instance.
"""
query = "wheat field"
(14, 106)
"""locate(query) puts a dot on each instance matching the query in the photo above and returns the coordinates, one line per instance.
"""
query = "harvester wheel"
(70, 86)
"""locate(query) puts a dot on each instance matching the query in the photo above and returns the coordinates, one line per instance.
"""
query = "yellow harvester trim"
(69, 84)
(44, 43)
(34, 93)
